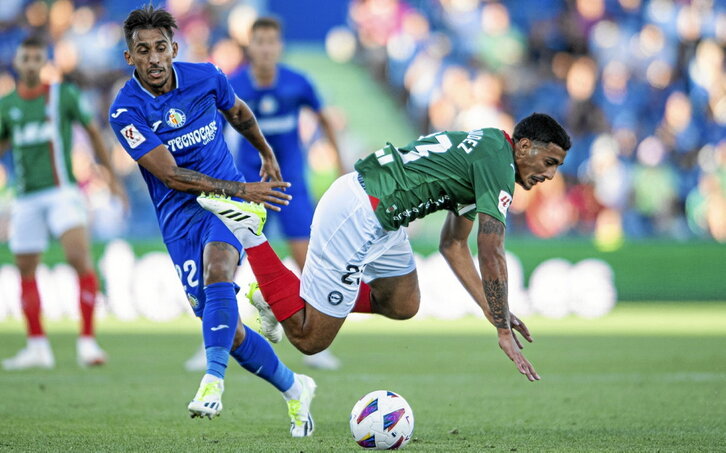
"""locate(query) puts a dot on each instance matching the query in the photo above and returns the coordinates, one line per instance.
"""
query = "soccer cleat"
(198, 362)
(208, 400)
(236, 215)
(89, 353)
(270, 327)
(37, 354)
(301, 420)
(323, 360)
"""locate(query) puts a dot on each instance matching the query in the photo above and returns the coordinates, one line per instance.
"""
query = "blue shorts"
(186, 253)
(294, 220)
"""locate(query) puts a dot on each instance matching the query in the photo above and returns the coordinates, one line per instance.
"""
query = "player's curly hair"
(542, 128)
(147, 18)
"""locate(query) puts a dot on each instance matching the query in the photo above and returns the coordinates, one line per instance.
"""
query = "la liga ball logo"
(175, 118)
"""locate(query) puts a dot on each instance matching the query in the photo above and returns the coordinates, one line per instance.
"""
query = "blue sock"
(219, 322)
(257, 356)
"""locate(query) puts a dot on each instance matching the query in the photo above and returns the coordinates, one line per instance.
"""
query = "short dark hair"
(542, 128)
(267, 22)
(33, 41)
(148, 18)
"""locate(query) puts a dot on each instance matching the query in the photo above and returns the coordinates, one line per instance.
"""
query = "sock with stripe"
(219, 322)
(256, 355)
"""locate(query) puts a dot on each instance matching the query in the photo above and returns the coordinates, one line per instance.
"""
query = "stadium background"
(640, 86)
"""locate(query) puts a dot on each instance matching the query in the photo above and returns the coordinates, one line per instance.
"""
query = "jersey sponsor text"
(203, 135)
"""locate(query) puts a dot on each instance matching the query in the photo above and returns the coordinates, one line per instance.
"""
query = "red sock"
(88, 286)
(363, 302)
(279, 285)
(30, 301)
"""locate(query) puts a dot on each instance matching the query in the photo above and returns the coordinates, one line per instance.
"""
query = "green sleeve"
(75, 105)
(493, 188)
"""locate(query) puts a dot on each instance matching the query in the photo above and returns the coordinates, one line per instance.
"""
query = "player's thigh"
(186, 255)
(296, 218)
(393, 278)
(344, 232)
(28, 225)
(66, 211)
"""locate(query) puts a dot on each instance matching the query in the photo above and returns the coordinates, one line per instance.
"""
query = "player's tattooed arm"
(493, 266)
(162, 165)
(241, 117)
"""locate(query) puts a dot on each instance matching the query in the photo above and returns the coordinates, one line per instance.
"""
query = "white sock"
(38, 342)
(209, 378)
(249, 239)
(295, 390)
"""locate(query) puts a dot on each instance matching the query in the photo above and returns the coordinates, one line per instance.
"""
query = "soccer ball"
(381, 420)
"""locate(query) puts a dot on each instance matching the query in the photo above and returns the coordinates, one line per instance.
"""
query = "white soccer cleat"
(323, 360)
(37, 354)
(208, 400)
(301, 420)
(198, 362)
(89, 353)
(238, 216)
(270, 327)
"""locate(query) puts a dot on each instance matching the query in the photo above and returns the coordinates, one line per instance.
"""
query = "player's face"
(536, 162)
(152, 53)
(265, 47)
(29, 60)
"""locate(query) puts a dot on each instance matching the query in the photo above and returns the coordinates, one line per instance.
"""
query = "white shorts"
(55, 210)
(347, 244)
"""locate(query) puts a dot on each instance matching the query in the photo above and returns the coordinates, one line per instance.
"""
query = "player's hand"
(270, 170)
(520, 327)
(267, 193)
(509, 345)
(119, 191)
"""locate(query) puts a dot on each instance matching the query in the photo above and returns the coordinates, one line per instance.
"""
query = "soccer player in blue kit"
(166, 118)
(276, 93)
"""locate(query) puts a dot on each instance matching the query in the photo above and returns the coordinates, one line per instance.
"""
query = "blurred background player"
(276, 93)
(169, 107)
(36, 119)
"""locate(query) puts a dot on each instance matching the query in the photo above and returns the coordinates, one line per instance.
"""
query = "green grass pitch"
(648, 377)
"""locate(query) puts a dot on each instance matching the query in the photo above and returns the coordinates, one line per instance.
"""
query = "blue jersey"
(277, 108)
(186, 121)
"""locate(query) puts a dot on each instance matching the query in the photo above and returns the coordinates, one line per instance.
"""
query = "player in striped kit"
(36, 121)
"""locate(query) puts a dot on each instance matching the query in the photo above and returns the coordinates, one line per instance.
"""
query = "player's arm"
(454, 247)
(493, 268)
(104, 159)
(329, 131)
(160, 163)
(243, 120)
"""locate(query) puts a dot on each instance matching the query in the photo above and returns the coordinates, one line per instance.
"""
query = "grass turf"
(649, 377)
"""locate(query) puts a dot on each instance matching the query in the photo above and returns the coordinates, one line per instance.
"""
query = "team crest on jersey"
(268, 105)
(193, 301)
(175, 118)
(504, 201)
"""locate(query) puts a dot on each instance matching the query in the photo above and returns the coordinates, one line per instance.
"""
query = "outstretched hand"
(270, 169)
(265, 193)
(520, 327)
(511, 347)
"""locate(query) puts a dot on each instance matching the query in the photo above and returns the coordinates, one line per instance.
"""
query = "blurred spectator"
(639, 84)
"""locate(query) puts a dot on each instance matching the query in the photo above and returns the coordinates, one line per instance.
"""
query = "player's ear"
(523, 146)
(174, 49)
(127, 56)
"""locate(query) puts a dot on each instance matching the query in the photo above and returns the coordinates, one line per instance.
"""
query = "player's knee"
(215, 272)
(309, 346)
(406, 307)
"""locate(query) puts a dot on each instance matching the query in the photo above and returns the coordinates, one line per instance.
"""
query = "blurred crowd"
(640, 86)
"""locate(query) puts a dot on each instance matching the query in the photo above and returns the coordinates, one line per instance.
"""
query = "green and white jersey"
(463, 172)
(39, 127)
